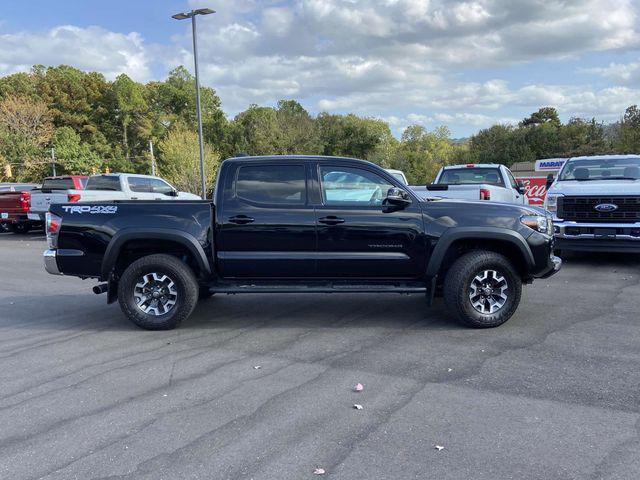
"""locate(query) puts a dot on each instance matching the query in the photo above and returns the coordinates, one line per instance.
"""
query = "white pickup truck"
(595, 202)
(128, 186)
(481, 181)
(54, 190)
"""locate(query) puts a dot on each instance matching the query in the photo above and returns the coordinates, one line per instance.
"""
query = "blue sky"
(463, 63)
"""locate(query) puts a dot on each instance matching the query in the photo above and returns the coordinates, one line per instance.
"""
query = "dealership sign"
(550, 164)
(535, 189)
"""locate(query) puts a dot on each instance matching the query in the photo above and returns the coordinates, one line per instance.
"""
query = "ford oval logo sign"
(606, 207)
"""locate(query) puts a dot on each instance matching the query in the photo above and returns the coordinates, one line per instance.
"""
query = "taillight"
(25, 201)
(485, 194)
(52, 229)
(73, 197)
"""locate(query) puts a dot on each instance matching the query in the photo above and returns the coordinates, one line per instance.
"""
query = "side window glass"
(160, 186)
(272, 184)
(344, 186)
(139, 184)
(512, 180)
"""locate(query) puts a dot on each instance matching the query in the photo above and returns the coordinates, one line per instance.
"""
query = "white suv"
(595, 202)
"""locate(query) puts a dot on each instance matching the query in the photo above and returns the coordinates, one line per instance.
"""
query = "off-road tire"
(185, 283)
(457, 288)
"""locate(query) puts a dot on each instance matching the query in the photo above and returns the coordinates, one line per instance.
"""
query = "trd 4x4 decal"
(99, 209)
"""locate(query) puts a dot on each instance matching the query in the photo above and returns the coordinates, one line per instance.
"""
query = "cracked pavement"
(552, 394)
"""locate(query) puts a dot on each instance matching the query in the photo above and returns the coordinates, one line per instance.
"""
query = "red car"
(15, 201)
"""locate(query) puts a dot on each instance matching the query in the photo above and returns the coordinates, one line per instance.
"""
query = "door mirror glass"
(550, 180)
(520, 187)
(398, 197)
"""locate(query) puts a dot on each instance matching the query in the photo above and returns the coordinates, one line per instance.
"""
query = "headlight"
(539, 223)
(551, 202)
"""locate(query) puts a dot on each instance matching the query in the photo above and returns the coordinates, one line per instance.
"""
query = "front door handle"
(331, 220)
(241, 219)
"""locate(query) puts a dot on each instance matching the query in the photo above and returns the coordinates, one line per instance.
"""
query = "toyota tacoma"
(296, 224)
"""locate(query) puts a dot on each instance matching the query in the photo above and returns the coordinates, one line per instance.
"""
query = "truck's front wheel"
(482, 289)
(157, 292)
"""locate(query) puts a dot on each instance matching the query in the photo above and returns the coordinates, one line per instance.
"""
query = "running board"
(321, 288)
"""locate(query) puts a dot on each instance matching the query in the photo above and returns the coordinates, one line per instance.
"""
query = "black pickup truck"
(296, 224)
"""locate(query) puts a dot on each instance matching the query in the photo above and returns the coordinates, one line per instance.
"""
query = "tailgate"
(10, 202)
(466, 192)
(41, 201)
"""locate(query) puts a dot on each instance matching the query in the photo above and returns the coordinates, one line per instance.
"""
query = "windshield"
(103, 182)
(471, 176)
(608, 168)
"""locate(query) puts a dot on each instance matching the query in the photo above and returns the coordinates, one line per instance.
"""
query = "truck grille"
(582, 209)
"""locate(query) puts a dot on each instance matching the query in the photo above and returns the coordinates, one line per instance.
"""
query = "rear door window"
(272, 184)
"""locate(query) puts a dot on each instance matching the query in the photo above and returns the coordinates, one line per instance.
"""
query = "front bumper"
(594, 237)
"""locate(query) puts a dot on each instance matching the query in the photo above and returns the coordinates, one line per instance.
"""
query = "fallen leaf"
(439, 447)
(358, 388)
(357, 406)
(449, 369)
(319, 471)
(257, 367)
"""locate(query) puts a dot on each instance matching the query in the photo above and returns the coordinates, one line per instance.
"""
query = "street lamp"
(192, 15)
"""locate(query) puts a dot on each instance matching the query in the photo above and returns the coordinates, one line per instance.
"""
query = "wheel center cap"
(156, 294)
(487, 290)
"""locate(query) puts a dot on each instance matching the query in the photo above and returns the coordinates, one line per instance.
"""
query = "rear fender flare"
(477, 233)
(123, 236)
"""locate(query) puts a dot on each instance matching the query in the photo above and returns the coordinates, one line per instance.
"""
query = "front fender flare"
(477, 233)
(123, 236)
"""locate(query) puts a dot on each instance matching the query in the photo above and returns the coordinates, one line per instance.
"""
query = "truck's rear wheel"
(482, 289)
(20, 228)
(157, 292)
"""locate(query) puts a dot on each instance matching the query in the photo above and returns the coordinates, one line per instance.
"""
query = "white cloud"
(91, 48)
(624, 73)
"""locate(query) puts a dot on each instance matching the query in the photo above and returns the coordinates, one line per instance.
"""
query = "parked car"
(596, 203)
(55, 190)
(128, 186)
(15, 200)
(292, 224)
(399, 174)
(476, 182)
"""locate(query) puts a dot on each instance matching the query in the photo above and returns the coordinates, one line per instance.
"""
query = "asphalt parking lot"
(552, 394)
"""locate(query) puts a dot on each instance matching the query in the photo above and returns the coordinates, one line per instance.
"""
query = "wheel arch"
(501, 240)
(125, 237)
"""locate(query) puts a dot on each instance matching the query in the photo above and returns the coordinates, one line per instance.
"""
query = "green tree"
(179, 160)
(256, 131)
(421, 153)
(627, 139)
(297, 130)
(130, 109)
(73, 155)
(25, 130)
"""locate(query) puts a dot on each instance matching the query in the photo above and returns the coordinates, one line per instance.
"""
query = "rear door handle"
(241, 219)
(331, 220)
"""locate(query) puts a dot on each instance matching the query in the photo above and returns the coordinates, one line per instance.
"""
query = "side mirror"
(550, 180)
(521, 189)
(398, 197)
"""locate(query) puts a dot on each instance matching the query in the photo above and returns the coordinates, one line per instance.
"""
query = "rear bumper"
(51, 259)
(51, 262)
(22, 218)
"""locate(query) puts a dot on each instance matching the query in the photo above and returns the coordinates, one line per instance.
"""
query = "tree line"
(91, 124)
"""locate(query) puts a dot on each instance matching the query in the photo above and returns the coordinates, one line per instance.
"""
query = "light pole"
(192, 15)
